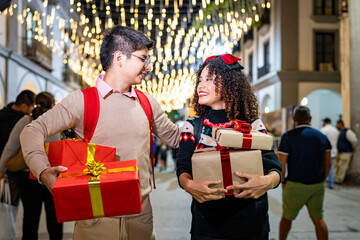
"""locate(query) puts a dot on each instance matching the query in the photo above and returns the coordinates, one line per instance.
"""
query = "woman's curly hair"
(234, 89)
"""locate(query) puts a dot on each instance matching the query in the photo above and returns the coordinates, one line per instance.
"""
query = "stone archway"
(323, 103)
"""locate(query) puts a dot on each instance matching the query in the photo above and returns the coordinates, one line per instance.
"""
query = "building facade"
(304, 53)
(26, 62)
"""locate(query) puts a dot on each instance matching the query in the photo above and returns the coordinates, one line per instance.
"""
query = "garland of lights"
(172, 79)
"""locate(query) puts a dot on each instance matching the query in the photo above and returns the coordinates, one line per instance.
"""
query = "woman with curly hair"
(222, 95)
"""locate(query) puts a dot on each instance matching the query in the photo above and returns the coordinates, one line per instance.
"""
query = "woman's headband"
(230, 60)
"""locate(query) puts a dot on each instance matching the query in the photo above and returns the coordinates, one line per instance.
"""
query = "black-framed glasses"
(145, 61)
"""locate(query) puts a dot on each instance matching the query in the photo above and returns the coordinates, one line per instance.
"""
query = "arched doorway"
(323, 103)
(267, 104)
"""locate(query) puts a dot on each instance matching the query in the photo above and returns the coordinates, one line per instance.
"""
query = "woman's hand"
(255, 185)
(201, 190)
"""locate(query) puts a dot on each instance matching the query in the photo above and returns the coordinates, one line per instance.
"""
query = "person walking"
(332, 134)
(345, 145)
(33, 194)
(122, 123)
(9, 116)
(305, 153)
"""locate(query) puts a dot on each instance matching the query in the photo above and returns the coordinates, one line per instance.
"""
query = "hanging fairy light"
(178, 48)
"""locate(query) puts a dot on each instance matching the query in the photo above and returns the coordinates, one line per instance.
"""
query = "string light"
(178, 49)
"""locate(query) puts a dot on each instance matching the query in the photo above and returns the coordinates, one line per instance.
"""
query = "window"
(325, 7)
(325, 51)
(266, 68)
(267, 57)
(250, 66)
(30, 28)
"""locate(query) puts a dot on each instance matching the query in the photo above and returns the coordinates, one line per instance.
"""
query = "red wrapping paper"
(120, 193)
(71, 153)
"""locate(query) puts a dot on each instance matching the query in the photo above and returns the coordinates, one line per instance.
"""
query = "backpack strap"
(145, 104)
(91, 112)
(198, 128)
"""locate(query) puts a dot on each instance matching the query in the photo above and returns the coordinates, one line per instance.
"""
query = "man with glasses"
(122, 124)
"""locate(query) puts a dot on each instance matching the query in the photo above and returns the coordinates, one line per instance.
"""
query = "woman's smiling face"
(207, 91)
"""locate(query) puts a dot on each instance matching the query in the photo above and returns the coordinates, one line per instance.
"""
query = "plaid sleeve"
(258, 125)
(186, 148)
(187, 132)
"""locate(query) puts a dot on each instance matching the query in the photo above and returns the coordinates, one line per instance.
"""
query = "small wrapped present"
(71, 153)
(97, 190)
(222, 163)
(242, 137)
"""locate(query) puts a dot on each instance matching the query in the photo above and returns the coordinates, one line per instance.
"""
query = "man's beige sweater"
(122, 124)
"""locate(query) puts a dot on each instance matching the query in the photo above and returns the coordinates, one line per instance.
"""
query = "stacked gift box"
(94, 184)
(239, 150)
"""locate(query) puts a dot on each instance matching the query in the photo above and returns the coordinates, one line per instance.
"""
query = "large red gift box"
(70, 153)
(117, 192)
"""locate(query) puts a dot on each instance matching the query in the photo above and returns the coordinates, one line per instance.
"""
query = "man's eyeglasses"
(145, 61)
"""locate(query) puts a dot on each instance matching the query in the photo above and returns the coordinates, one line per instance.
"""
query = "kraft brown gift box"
(228, 137)
(207, 165)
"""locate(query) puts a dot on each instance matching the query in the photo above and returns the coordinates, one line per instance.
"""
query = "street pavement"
(172, 217)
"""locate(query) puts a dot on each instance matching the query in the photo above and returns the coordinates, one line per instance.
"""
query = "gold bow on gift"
(94, 169)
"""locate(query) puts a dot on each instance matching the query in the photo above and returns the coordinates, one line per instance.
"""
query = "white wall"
(3, 29)
(269, 91)
(2, 79)
(306, 34)
(324, 103)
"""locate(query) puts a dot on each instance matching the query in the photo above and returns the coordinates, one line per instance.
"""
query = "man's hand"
(256, 185)
(49, 176)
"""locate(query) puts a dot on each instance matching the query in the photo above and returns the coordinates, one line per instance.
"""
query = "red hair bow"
(230, 60)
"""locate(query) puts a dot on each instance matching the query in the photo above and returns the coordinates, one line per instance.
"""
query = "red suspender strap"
(91, 112)
(145, 104)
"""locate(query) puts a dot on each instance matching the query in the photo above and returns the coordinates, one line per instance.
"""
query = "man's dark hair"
(341, 122)
(27, 97)
(124, 39)
(327, 120)
(302, 114)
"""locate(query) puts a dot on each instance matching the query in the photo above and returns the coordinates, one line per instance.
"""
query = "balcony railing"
(38, 53)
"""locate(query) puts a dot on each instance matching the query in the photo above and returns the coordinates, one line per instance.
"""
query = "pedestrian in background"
(163, 152)
(32, 193)
(9, 116)
(305, 153)
(332, 134)
(345, 145)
